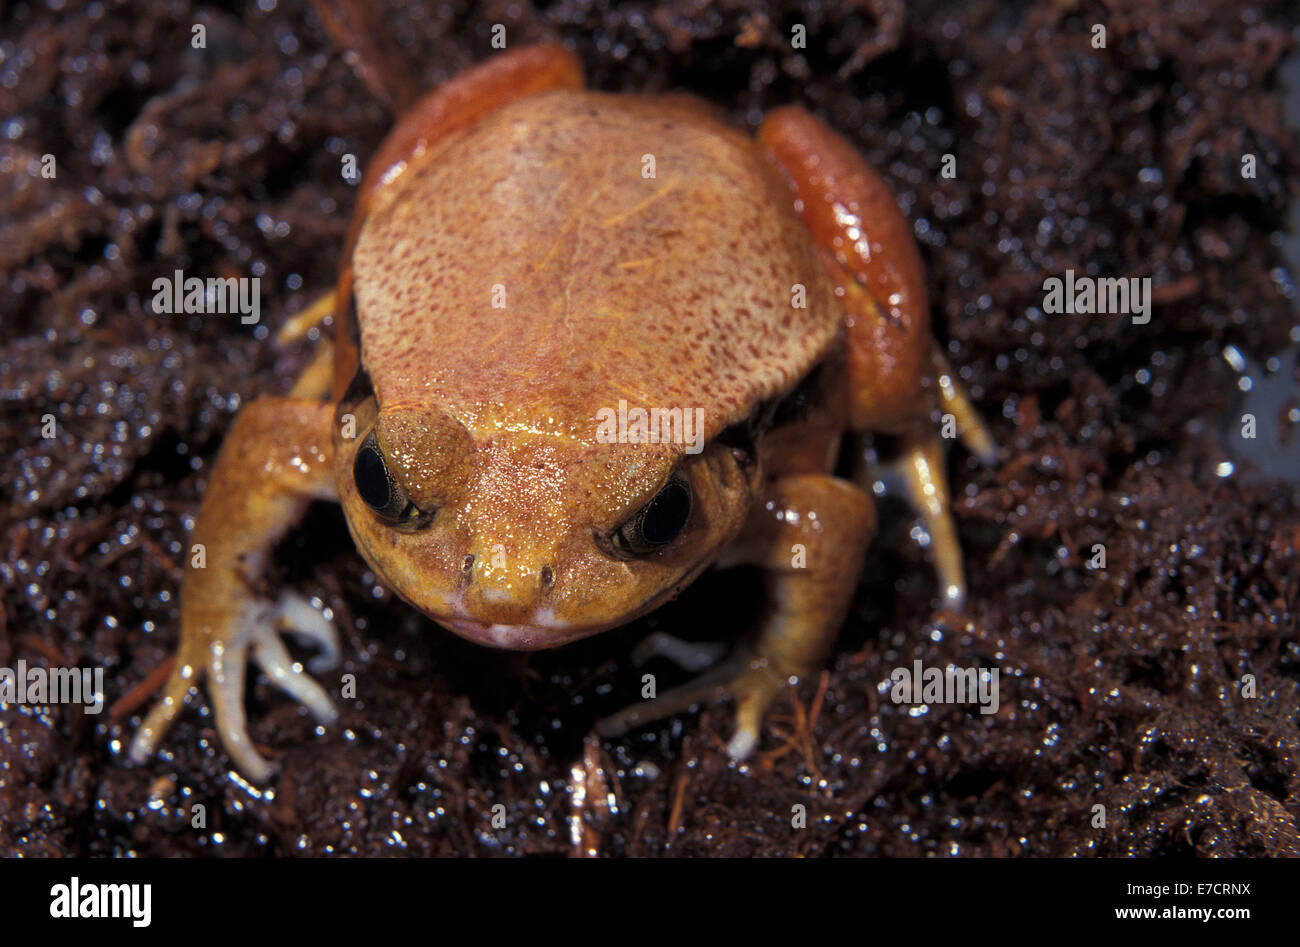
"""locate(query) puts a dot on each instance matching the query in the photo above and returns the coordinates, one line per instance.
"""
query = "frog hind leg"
(277, 457)
(894, 367)
(809, 533)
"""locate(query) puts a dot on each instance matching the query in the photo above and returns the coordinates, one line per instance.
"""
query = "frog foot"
(259, 628)
(917, 476)
(747, 678)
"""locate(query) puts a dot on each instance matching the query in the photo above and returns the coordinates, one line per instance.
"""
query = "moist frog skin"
(525, 257)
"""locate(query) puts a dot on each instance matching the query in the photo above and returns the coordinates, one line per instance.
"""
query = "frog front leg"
(277, 457)
(809, 533)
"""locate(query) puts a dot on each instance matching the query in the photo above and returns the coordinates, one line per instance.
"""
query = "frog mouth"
(545, 629)
(548, 633)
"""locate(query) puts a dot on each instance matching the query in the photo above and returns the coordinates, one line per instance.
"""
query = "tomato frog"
(529, 259)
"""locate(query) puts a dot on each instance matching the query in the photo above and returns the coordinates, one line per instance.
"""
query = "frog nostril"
(548, 578)
(468, 566)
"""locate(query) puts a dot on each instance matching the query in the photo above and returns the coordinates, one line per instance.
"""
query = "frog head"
(523, 536)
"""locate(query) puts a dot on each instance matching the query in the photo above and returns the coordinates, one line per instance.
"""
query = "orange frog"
(529, 260)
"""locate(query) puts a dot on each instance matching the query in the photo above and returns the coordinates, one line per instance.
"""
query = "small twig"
(127, 704)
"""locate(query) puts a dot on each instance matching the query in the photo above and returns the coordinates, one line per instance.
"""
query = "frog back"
(576, 251)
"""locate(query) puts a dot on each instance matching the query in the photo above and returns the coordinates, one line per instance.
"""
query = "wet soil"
(1163, 686)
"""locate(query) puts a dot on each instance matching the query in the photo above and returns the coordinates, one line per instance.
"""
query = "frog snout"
(505, 589)
(520, 593)
(508, 608)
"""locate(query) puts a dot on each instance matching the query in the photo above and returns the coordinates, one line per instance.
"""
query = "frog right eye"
(377, 488)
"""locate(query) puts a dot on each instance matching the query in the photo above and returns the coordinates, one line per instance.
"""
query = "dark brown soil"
(1121, 687)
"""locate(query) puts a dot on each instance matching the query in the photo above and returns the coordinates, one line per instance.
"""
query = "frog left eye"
(657, 523)
(376, 486)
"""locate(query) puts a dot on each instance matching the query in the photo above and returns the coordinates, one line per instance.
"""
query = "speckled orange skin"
(670, 291)
(720, 282)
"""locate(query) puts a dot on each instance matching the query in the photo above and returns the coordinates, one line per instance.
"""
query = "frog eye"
(657, 523)
(376, 485)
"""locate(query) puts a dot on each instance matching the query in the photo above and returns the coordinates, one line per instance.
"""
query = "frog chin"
(546, 631)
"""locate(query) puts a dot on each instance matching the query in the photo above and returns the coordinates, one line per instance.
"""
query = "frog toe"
(297, 616)
(687, 655)
(746, 678)
(917, 475)
(226, 671)
(181, 686)
(294, 613)
(954, 596)
(754, 692)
